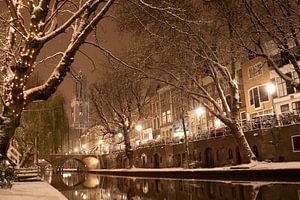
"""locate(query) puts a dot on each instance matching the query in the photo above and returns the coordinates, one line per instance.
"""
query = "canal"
(82, 186)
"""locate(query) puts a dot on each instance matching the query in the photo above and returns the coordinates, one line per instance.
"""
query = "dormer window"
(255, 70)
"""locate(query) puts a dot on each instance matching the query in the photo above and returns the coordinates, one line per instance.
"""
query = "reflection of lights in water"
(66, 175)
(47, 175)
(91, 181)
(145, 187)
(76, 193)
(172, 186)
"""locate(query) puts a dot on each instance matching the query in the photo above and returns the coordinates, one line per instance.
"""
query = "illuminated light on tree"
(22, 46)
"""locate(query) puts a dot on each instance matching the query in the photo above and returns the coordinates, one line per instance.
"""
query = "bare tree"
(274, 34)
(192, 46)
(119, 103)
(29, 27)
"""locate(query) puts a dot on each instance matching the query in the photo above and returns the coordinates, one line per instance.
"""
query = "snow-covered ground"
(31, 191)
(251, 166)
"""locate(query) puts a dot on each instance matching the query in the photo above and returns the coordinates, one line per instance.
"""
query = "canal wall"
(277, 144)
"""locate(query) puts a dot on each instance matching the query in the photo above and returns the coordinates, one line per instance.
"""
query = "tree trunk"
(128, 149)
(186, 142)
(8, 126)
(247, 154)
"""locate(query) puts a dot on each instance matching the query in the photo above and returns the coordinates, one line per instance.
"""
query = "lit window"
(169, 116)
(164, 119)
(258, 95)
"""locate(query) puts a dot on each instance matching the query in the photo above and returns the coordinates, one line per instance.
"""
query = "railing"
(258, 122)
(270, 121)
(26, 174)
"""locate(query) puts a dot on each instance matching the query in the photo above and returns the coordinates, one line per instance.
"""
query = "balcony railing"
(270, 121)
(258, 122)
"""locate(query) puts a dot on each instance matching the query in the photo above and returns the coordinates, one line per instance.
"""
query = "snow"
(250, 166)
(31, 191)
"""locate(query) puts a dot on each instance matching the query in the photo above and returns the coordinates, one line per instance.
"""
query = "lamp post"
(271, 89)
(100, 142)
(200, 111)
(139, 128)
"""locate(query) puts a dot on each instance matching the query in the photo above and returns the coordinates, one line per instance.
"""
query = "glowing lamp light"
(75, 149)
(138, 127)
(200, 111)
(271, 88)
(217, 123)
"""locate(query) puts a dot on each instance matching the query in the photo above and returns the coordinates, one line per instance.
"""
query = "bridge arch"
(91, 162)
(57, 161)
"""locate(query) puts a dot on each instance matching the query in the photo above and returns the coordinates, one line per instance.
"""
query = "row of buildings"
(263, 94)
(266, 102)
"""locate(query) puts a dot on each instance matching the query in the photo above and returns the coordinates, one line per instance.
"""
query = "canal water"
(80, 186)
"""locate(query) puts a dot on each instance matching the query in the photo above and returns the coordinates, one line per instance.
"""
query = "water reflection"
(95, 187)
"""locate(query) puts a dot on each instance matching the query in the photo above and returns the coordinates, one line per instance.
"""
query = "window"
(296, 143)
(243, 116)
(255, 70)
(169, 116)
(296, 106)
(263, 92)
(283, 87)
(257, 95)
(284, 108)
(164, 119)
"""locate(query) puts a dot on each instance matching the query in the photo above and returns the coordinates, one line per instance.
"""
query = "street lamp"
(75, 150)
(200, 111)
(139, 128)
(217, 123)
(271, 89)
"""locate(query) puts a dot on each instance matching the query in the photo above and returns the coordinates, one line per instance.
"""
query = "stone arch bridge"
(89, 161)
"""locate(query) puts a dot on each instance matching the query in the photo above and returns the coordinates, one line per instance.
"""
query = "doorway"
(209, 160)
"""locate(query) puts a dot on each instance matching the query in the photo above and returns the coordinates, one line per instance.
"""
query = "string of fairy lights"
(15, 79)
